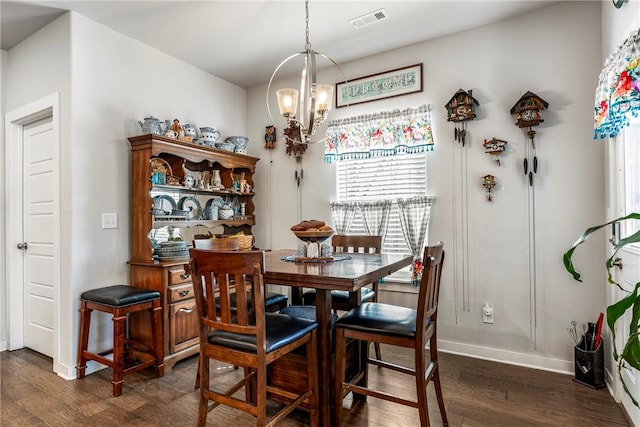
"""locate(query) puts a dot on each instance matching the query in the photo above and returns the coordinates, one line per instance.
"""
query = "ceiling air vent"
(369, 18)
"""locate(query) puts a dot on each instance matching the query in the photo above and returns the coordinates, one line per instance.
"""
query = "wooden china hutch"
(170, 276)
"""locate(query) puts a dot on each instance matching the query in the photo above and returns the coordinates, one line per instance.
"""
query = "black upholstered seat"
(305, 312)
(339, 298)
(273, 301)
(381, 318)
(119, 295)
(281, 330)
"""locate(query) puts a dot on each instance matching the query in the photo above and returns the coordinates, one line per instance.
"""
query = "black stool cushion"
(341, 297)
(380, 318)
(270, 298)
(305, 312)
(281, 330)
(119, 295)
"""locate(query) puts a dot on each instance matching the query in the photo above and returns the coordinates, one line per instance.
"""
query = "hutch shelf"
(171, 277)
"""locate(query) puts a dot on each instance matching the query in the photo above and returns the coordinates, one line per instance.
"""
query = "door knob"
(23, 246)
(617, 262)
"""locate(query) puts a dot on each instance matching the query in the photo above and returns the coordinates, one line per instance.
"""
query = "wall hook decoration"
(460, 109)
(495, 146)
(488, 182)
(270, 137)
(527, 111)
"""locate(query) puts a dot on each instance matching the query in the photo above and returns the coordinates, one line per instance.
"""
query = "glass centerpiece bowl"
(313, 243)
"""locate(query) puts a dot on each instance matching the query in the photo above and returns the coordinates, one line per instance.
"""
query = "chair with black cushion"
(250, 339)
(273, 301)
(397, 326)
(120, 301)
(343, 300)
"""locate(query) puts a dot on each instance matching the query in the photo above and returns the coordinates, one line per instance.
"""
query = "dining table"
(346, 272)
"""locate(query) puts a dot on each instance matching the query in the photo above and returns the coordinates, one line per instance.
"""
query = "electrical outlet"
(109, 220)
(487, 313)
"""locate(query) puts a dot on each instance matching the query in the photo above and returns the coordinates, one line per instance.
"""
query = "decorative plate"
(214, 201)
(160, 165)
(165, 203)
(192, 205)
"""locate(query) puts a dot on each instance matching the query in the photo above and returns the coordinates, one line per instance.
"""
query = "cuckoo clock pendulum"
(527, 111)
(460, 109)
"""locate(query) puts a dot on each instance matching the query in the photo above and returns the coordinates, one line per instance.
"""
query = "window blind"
(376, 178)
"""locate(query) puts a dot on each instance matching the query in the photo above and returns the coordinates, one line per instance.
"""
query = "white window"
(392, 177)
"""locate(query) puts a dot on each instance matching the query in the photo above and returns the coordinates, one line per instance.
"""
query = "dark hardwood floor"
(477, 393)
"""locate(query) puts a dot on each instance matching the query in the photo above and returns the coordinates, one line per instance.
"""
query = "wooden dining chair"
(252, 340)
(273, 301)
(398, 326)
(343, 300)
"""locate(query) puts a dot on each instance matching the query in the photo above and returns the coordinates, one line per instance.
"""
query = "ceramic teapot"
(152, 125)
(209, 136)
(225, 211)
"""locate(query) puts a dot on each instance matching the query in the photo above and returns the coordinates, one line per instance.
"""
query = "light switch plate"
(109, 220)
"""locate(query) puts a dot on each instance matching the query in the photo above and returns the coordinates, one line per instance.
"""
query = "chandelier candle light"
(315, 99)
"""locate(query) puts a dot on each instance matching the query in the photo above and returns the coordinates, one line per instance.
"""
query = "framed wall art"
(400, 81)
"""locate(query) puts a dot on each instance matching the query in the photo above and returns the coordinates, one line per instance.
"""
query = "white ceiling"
(243, 41)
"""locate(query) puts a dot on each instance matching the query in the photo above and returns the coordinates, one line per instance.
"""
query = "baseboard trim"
(508, 357)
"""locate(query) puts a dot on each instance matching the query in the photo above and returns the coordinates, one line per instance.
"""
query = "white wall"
(3, 286)
(36, 68)
(110, 82)
(554, 52)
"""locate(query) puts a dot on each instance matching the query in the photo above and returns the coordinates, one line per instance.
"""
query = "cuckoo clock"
(488, 182)
(494, 147)
(460, 109)
(527, 111)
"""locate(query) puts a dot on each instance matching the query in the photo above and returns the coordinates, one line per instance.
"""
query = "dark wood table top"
(348, 275)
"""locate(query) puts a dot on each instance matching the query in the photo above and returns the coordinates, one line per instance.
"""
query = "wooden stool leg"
(156, 333)
(83, 339)
(119, 326)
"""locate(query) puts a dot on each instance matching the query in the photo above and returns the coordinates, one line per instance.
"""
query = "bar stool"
(120, 300)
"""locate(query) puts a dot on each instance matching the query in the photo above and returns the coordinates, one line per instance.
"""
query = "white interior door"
(39, 216)
(627, 159)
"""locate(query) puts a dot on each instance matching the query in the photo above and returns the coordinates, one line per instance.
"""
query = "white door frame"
(14, 123)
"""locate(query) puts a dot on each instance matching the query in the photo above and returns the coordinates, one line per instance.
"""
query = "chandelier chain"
(307, 46)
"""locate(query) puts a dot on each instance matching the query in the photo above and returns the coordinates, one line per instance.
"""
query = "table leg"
(296, 295)
(325, 356)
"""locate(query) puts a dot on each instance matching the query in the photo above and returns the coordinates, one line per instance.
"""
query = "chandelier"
(314, 99)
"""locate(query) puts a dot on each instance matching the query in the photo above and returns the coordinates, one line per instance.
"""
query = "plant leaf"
(567, 257)
(616, 311)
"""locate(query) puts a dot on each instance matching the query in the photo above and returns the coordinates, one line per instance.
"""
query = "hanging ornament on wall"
(270, 137)
(527, 111)
(488, 182)
(494, 147)
(460, 109)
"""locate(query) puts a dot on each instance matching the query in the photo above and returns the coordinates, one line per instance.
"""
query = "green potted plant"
(630, 354)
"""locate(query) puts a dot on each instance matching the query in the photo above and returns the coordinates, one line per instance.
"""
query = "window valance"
(618, 91)
(380, 134)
